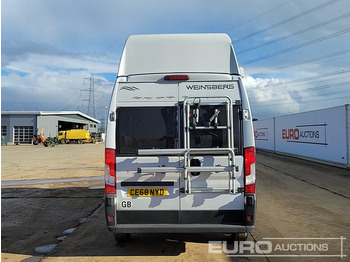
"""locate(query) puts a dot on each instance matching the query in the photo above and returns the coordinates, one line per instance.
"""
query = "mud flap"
(250, 209)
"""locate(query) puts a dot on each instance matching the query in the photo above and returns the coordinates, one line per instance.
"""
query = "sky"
(294, 54)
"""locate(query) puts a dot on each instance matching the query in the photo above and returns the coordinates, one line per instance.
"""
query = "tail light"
(176, 78)
(249, 169)
(110, 177)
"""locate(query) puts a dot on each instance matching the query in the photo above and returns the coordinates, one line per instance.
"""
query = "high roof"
(48, 113)
(178, 53)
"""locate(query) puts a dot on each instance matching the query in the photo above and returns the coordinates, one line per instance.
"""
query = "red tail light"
(249, 169)
(177, 78)
(110, 176)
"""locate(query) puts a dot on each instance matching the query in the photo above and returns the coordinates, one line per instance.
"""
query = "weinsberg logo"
(210, 87)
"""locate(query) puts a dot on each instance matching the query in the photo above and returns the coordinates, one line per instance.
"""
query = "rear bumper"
(179, 228)
(174, 221)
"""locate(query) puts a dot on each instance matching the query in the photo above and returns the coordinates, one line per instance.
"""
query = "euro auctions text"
(281, 247)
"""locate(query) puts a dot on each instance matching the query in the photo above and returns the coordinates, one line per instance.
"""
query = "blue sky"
(294, 53)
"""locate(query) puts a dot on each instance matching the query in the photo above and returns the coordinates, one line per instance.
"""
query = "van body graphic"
(180, 152)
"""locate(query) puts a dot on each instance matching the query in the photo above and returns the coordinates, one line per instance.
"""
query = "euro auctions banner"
(321, 134)
(264, 134)
(308, 134)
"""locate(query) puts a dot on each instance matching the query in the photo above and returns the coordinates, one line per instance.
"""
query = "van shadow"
(35, 217)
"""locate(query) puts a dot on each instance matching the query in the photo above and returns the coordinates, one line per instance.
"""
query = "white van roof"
(178, 53)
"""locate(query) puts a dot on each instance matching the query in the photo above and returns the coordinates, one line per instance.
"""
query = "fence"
(319, 135)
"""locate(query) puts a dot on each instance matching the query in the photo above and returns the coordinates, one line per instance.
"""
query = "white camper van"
(180, 153)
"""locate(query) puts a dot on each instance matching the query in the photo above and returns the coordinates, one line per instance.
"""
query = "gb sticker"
(125, 204)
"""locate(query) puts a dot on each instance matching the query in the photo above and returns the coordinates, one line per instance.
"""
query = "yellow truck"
(75, 136)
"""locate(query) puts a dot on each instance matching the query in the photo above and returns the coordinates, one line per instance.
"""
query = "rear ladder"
(191, 113)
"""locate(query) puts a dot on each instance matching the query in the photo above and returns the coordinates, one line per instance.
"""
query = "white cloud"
(38, 62)
(49, 90)
(42, 77)
(266, 98)
(66, 41)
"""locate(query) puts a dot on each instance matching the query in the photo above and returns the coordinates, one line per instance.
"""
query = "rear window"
(216, 138)
(146, 128)
(210, 138)
(157, 128)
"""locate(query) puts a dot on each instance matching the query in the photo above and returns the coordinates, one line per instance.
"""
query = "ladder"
(191, 108)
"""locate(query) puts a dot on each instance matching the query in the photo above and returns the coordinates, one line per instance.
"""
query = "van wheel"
(122, 238)
(240, 236)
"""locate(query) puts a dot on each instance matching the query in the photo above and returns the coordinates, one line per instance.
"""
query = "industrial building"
(21, 126)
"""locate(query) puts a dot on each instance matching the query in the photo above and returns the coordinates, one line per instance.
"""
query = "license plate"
(147, 192)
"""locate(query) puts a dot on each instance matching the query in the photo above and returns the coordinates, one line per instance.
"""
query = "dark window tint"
(210, 138)
(145, 128)
(237, 130)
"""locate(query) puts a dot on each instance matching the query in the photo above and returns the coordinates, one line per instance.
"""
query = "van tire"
(240, 236)
(122, 238)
